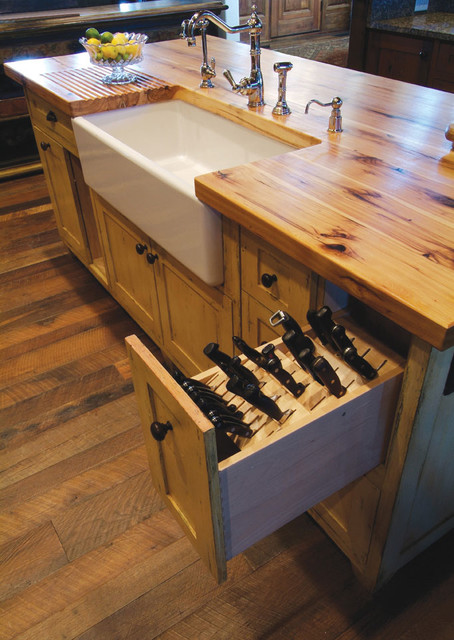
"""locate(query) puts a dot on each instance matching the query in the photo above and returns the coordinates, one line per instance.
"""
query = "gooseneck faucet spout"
(251, 86)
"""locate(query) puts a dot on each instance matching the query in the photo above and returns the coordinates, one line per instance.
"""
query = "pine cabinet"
(177, 310)
(270, 281)
(132, 262)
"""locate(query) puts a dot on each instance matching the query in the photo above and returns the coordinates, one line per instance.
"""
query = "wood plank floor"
(87, 550)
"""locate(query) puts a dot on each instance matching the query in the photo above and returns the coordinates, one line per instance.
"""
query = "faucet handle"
(185, 35)
(335, 119)
(282, 68)
(227, 73)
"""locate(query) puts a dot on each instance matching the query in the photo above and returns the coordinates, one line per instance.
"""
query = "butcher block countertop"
(371, 209)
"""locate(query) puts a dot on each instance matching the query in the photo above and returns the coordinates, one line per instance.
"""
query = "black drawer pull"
(152, 257)
(45, 145)
(268, 279)
(141, 248)
(51, 117)
(159, 430)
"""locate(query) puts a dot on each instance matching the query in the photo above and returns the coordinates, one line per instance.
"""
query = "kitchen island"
(369, 210)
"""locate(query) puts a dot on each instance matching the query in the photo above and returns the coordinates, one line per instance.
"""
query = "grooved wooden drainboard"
(87, 82)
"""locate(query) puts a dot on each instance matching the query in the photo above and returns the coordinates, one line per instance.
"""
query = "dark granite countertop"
(425, 25)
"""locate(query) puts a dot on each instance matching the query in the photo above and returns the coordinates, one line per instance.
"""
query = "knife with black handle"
(230, 366)
(334, 334)
(254, 356)
(274, 367)
(303, 349)
(254, 396)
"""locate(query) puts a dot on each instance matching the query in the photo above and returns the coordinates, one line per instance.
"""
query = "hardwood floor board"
(63, 352)
(15, 280)
(69, 487)
(65, 286)
(167, 603)
(102, 518)
(55, 403)
(19, 340)
(29, 559)
(99, 363)
(302, 593)
(26, 227)
(126, 449)
(70, 438)
(81, 594)
(32, 256)
(22, 192)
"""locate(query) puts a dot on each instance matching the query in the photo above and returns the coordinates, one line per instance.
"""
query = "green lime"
(106, 37)
(92, 33)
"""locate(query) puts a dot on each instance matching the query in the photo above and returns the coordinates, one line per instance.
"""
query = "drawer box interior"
(320, 445)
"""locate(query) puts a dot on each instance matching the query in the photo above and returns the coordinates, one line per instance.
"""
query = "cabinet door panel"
(192, 316)
(132, 279)
(59, 177)
(294, 16)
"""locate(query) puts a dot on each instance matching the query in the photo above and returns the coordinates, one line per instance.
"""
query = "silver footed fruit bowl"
(124, 49)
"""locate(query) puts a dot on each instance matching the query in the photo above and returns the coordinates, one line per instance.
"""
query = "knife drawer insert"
(322, 444)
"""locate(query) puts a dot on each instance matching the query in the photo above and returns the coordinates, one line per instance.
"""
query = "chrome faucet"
(252, 86)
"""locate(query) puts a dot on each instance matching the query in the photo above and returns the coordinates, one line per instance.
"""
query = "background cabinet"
(422, 61)
(287, 18)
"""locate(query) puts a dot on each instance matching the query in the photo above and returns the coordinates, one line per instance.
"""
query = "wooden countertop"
(371, 209)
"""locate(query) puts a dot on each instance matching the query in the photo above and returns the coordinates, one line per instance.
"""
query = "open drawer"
(322, 444)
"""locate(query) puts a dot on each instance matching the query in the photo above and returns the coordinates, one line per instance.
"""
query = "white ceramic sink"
(143, 161)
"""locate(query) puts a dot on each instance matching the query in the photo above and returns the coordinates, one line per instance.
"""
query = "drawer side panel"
(263, 491)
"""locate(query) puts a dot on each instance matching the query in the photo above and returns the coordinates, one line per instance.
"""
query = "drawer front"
(322, 444)
(272, 278)
(184, 464)
(52, 121)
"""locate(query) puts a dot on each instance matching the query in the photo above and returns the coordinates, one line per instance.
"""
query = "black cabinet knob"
(44, 146)
(159, 430)
(423, 54)
(152, 257)
(51, 117)
(141, 248)
(268, 279)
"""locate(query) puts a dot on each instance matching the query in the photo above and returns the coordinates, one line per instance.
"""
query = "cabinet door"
(62, 187)
(263, 12)
(193, 315)
(256, 328)
(131, 276)
(399, 57)
(273, 278)
(336, 15)
(289, 17)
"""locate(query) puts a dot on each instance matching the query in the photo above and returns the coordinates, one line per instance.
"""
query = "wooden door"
(399, 57)
(62, 187)
(132, 279)
(289, 17)
(184, 464)
(193, 314)
(336, 15)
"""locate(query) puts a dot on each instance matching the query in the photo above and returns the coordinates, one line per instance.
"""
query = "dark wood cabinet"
(423, 61)
(287, 18)
(399, 57)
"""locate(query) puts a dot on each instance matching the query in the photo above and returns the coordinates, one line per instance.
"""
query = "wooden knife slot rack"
(315, 400)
